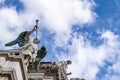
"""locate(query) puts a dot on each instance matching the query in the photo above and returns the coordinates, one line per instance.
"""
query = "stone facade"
(12, 67)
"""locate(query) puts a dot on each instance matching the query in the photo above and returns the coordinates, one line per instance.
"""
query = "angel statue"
(40, 55)
(29, 50)
(23, 37)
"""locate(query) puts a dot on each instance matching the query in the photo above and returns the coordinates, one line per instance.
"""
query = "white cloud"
(8, 19)
(57, 16)
(87, 60)
(113, 71)
(2, 1)
(110, 38)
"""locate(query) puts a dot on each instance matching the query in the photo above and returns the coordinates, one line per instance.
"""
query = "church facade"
(12, 67)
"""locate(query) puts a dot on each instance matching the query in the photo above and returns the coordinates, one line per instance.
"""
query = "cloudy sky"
(83, 31)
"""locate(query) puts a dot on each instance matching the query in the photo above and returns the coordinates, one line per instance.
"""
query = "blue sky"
(84, 31)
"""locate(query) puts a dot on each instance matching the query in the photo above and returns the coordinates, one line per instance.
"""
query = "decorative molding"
(15, 56)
